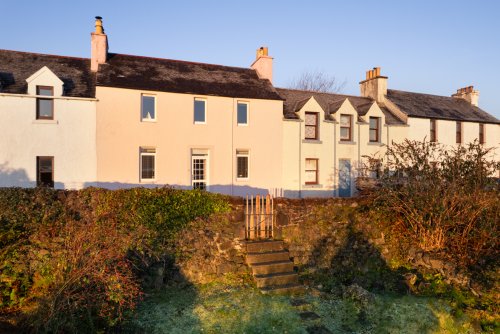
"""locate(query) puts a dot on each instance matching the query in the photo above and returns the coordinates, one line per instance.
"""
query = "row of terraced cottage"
(119, 121)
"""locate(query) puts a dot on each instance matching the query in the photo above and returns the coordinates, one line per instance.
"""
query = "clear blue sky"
(426, 46)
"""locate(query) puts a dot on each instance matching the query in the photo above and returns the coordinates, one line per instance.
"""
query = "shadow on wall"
(10, 177)
(227, 189)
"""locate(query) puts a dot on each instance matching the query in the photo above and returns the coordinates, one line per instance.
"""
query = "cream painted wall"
(69, 138)
(121, 133)
(328, 149)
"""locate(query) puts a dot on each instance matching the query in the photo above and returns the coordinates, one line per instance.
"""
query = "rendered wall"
(69, 138)
(121, 133)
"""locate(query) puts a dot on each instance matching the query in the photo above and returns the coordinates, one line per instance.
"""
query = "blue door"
(344, 178)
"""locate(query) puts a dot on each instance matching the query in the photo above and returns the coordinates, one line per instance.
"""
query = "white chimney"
(99, 45)
(374, 86)
(468, 94)
(263, 64)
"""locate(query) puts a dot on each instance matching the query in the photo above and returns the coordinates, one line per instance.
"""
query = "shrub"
(442, 199)
(69, 259)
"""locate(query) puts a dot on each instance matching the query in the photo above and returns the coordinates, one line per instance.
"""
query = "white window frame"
(248, 113)
(143, 152)
(206, 108)
(243, 153)
(351, 128)
(155, 110)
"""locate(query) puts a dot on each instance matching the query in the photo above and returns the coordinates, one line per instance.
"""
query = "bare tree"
(317, 81)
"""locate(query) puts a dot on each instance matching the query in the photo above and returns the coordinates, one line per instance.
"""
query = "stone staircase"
(271, 267)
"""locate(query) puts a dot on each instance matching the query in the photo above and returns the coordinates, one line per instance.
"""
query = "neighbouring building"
(115, 121)
(47, 121)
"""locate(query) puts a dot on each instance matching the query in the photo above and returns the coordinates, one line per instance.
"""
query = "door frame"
(206, 157)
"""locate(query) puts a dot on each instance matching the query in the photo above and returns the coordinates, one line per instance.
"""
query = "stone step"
(277, 279)
(283, 289)
(272, 267)
(264, 246)
(253, 258)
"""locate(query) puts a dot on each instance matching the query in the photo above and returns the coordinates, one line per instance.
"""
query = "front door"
(344, 178)
(199, 171)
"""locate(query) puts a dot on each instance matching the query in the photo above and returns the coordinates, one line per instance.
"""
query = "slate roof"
(156, 74)
(439, 107)
(296, 99)
(17, 66)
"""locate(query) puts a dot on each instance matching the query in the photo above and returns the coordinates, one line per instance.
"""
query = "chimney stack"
(468, 94)
(374, 86)
(263, 64)
(99, 45)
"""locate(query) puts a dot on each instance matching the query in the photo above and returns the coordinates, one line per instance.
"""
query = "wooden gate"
(259, 217)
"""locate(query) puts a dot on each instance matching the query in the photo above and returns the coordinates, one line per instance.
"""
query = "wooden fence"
(259, 217)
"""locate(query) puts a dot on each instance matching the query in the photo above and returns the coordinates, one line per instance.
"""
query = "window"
(148, 156)
(375, 168)
(45, 171)
(311, 131)
(242, 116)
(44, 106)
(374, 129)
(241, 164)
(433, 130)
(481, 134)
(200, 111)
(345, 127)
(458, 133)
(311, 171)
(148, 108)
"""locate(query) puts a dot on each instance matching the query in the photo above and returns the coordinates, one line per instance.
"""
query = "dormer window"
(44, 106)
(345, 127)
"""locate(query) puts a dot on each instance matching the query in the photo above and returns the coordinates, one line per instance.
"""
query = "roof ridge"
(325, 93)
(427, 94)
(44, 54)
(181, 61)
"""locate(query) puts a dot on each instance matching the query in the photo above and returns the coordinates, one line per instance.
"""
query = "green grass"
(232, 308)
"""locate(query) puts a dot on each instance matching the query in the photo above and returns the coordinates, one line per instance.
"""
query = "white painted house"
(47, 121)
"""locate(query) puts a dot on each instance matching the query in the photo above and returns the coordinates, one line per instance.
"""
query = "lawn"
(240, 308)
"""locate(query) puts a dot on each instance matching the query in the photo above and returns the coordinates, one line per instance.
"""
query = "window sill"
(145, 120)
(306, 186)
(45, 121)
(375, 143)
(242, 124)
(241, 179)
(148, 181)
(199, 123)
(347, 142)
(312, 141)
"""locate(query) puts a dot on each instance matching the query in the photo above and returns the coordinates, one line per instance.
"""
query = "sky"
(432, 47)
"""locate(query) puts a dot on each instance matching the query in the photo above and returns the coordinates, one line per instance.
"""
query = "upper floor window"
(311, 131)
(148, 108)
(458, 136)
(242, 113)
(242, 164)
(44, 106)
(374, 129)
(433, 133)
(45, 171)
(148, 161)
(346, 127)
(481, 134)
(311, 171)
(200, 111)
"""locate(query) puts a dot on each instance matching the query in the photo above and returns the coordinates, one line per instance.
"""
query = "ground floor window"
(45, 171)
(311, 171)
(242, 164)
(148, 160)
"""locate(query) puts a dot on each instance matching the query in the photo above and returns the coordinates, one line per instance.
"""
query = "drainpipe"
(335, 172)
(232, 150)
(359, 158)
(300, 158)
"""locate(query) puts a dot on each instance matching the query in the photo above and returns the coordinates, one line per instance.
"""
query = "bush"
(443, 200)
(69, 259)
